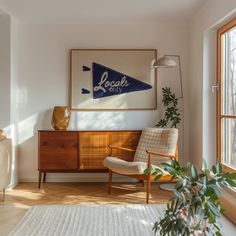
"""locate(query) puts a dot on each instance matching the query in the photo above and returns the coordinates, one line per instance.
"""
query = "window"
(226, 109)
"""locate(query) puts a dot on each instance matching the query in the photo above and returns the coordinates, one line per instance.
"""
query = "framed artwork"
(113, 79)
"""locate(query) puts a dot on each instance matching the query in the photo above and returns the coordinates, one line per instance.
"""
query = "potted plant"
(195, 207)
(172, 114)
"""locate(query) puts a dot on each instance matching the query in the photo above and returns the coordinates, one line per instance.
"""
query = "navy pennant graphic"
(108, 82)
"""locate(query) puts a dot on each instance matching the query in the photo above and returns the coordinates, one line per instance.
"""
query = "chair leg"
(148, 188)
(109, 182)
(3, 194)
(40, 178)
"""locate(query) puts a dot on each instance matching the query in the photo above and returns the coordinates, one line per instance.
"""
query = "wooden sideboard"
(81, 151)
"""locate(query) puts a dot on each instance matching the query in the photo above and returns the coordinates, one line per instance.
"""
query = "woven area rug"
(91, 220)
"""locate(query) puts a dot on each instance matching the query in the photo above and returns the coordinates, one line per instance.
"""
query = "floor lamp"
(167, 61)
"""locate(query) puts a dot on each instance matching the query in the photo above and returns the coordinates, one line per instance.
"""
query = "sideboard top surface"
(52, 130)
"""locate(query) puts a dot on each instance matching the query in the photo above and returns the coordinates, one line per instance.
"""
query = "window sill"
(228, 201)
(229, 204)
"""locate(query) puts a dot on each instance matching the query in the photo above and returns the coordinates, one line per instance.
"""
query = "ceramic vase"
(60, 117)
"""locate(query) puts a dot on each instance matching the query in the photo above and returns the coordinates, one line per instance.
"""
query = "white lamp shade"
(164, 62)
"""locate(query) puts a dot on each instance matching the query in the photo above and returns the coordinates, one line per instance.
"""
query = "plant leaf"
(205, 165)
(214, 169)
(194, 172)
(231, 183)
(231, 176)
(147, 170)
(157, 177)
(218, 168)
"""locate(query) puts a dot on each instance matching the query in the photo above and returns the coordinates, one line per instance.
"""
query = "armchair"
(155, 146)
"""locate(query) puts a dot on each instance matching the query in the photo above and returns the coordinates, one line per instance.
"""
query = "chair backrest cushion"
(163, 140)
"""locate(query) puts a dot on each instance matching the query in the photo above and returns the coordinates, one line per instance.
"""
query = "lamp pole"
(180, 72)
(182, 95)
(167, 62)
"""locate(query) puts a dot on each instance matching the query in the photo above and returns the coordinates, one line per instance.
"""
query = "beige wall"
(43, 65)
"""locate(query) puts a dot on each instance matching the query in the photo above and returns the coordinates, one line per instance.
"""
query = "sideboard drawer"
(58, 150)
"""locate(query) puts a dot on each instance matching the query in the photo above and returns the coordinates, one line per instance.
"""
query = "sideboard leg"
(40, 178)
(44, 177)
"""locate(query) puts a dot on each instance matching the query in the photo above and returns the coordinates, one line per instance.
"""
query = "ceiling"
(91, 11)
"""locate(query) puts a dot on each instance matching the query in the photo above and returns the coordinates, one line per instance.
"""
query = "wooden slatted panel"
(93, 148)
(58, 150)
(127, 139)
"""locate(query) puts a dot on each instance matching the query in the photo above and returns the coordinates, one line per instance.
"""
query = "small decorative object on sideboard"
(60, 117)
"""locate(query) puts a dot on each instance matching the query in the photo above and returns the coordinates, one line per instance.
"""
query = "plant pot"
(60, 117)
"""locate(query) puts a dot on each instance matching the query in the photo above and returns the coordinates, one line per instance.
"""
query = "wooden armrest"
(160, 154)
(122, 148)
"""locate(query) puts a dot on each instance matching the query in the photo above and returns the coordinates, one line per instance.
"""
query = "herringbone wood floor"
(25, 195)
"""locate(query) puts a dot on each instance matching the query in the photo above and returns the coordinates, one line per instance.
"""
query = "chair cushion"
(156, 140)
(124, 167)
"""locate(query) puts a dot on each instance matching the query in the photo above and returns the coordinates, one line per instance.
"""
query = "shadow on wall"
(28, 141)
(97, 120)
(108, 120)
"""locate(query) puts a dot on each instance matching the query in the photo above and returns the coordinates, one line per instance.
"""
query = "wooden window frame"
(220, 115)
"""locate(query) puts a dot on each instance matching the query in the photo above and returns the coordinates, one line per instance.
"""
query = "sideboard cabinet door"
(58, 150)
(93, 148)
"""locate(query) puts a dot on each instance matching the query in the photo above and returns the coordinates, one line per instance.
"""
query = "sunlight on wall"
(26, 128)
